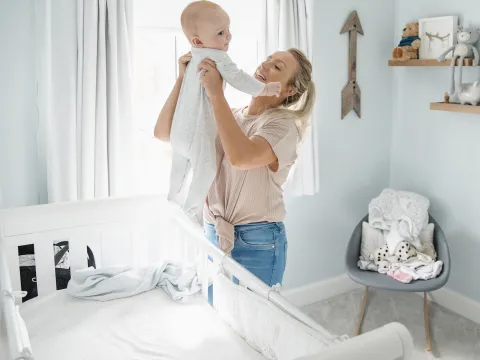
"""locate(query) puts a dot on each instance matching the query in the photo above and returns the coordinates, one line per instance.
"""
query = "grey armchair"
(379, 281)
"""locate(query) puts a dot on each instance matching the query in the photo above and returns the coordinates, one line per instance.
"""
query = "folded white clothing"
(393, 239)
(406, 264)
(420, 270)
(111, 283)
(406, 213)
(367, 265)
(374, 240)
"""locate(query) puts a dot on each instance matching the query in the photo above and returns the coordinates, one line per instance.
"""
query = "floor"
(453, 337)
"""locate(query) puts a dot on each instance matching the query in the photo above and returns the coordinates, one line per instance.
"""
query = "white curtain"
(84, 77)
(288, 24)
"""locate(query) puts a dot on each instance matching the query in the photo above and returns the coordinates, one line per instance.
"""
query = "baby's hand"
(272, 89)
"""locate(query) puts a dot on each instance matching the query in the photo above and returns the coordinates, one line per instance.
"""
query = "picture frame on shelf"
(437, 34)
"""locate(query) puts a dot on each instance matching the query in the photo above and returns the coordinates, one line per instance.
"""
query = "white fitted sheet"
(147, 326)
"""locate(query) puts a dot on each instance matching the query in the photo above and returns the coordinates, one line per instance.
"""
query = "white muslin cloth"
(120, 282)
(194, 130)
(403, 214)
(421, 267)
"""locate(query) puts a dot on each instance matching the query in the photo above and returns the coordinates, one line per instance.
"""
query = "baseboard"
(319, 291)
(457, 303)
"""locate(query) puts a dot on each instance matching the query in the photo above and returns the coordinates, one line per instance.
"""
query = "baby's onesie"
(194, 130)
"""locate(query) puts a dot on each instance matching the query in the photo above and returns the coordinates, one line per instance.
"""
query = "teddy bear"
(408, 47)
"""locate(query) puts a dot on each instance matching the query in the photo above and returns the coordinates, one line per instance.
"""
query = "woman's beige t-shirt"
(248, 196)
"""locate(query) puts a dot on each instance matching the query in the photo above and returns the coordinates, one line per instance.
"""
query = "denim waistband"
(252, 225)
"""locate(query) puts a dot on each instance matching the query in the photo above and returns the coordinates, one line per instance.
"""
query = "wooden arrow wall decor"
(351, 94)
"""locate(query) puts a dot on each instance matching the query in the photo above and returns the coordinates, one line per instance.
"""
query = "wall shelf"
(433, 62)
(469, 109)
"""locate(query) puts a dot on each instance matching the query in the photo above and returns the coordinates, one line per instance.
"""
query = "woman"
(256, 147)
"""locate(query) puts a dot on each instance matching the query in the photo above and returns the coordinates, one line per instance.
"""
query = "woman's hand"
(210, 78)
(183, 62)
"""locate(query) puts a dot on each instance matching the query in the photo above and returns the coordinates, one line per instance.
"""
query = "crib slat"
(45, 265)
(140, 250)
(116, 242)
(78, 249)
(13, 266)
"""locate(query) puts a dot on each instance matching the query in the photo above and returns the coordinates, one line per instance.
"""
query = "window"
(159, 42)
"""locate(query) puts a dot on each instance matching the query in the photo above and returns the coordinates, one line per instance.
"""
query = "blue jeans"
(261, 248)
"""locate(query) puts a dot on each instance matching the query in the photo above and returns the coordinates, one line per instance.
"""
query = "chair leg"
(362, 314)
(427, 322)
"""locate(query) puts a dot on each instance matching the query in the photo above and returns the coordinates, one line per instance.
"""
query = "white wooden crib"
(137, 231)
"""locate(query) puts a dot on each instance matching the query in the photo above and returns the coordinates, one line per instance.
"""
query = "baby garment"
(420, 268)
(403, 214)
(194, 130)
(400, 276)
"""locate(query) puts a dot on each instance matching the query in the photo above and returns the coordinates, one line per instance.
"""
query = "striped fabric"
(240, 197)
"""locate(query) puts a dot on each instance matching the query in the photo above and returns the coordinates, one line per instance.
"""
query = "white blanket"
(403, 214)
(194, 130)
(119, 282)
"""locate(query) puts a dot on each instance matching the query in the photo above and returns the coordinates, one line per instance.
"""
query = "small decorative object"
(437, 35)
(464, 48)
(447, 98)
(469, 93)
(351, 94)
(408, 47)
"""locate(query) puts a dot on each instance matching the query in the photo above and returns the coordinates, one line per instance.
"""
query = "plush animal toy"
(465, 47)
(409, 45)
(382, 259)
(404, 252)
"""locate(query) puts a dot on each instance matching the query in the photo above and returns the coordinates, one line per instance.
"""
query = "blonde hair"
(301, 103)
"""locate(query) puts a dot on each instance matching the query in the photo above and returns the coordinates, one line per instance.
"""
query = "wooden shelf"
(466, 62)
(469, 109)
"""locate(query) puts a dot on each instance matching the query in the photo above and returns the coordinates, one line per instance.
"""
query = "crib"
(140, 230)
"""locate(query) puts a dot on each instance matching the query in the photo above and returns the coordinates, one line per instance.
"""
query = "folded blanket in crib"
(111, 283)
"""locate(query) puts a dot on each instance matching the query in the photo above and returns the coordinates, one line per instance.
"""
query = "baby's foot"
(272, 89)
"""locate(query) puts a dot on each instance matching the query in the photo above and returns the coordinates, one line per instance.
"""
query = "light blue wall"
(354, 154)
(438, 153)
(411, 147)
(18, 118)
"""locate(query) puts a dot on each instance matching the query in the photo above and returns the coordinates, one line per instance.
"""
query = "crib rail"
(130, 231)
(133, 231)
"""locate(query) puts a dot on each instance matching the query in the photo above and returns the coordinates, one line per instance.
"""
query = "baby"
(194, 129)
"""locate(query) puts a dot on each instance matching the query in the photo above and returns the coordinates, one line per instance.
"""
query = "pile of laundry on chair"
(398, 240)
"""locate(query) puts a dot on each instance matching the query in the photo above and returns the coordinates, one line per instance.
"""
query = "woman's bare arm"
(165, 118)
(241, 151)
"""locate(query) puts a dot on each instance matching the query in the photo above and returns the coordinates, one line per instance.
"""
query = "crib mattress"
(147, 326)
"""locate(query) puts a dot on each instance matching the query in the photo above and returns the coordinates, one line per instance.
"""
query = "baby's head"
(206, 25)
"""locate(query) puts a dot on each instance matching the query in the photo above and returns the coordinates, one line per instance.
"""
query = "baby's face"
(214, 31)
